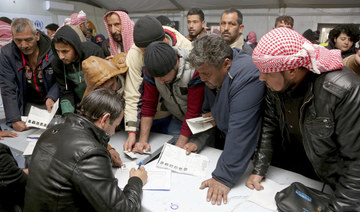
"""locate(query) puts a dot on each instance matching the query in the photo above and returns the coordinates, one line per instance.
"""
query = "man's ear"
(291, 74)
(226, 64)
(37, 35)
(241, 28)
(103, 120)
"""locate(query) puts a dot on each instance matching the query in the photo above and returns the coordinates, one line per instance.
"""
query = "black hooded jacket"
(69, 76)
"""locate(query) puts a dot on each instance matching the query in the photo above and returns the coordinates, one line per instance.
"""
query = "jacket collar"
(81, 122)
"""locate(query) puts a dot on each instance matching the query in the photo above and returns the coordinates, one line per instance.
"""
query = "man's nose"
(24, 44)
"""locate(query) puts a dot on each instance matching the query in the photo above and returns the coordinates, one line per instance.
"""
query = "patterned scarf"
(127, 28)
(284, 49)
(5, 33)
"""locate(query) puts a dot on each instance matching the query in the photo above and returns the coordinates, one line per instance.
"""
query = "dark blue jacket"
(236, 108)
(12, 77)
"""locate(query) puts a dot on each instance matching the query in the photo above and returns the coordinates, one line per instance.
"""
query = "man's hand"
(209, 115)
(190, 147)
(26, 171)
(49, 104)
(19, 126)
(7, 134)
(115, 157)
(357, 58)
(254, 182)
(140, 173)
(109, 57)
(216, 192)
(140, 147)
(130, 142)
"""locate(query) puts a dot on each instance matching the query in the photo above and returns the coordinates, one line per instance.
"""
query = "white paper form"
(158, 179)
(41, 118)
(199, 124)
(175, 159)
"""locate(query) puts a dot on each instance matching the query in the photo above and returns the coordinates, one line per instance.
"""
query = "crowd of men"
(283, 101)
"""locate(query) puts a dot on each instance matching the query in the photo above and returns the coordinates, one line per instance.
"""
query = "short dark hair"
(210, 49)
(165, 21)
(196, 11)
(233, 10)
(5, 19)
(99, 102)
(286, 19)
(60, 40)
(52, 27)
(350, 30)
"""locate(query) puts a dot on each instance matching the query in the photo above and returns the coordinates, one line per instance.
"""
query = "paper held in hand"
(199, 124)
(175, 159)
(41, 118)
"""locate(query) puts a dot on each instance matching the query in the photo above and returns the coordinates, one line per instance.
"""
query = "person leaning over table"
(234, 96)
(26, 74)
(320, 112)
(69, 53)
(146, 30)
(101, 73)
(71, 168)
(169, 75)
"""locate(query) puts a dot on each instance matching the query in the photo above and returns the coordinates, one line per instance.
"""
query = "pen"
(141, 162)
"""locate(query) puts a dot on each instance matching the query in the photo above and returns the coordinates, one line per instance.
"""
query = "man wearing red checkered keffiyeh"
(312, 118)
(120, 29)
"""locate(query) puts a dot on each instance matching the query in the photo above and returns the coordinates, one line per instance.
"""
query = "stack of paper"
(199, 124)
(158, 179)
(175, 159)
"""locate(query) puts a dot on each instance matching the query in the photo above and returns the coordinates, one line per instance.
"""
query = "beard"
(117, 37)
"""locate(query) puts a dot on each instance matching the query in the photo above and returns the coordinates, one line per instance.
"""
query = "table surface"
(156, 141)
(185, 194)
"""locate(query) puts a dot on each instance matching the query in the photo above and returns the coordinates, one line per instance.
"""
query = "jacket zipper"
(307, 151)
(173, 96)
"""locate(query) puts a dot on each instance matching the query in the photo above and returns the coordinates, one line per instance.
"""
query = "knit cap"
(147, 30)
(160, 58)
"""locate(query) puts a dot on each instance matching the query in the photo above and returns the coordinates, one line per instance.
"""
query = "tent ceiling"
(133, 6)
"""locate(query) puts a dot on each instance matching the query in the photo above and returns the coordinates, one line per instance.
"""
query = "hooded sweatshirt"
(69, 76)
(17, 78)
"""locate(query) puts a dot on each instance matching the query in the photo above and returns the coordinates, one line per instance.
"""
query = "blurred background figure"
(344, 37)
(51, 29)
(89, 35)
(99, 39)
(165, 21)
(5, 31)
(251, 39)
(311, 36)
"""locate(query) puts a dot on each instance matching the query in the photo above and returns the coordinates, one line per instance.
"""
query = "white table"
(186, 196)
(156, 141)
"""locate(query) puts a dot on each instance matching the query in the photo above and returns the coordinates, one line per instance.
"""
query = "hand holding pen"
(140, 172)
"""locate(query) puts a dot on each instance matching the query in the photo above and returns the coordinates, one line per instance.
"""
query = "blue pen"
(141, 162)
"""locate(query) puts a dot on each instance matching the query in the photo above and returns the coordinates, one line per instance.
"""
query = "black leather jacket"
(330, 126)
(70, 170)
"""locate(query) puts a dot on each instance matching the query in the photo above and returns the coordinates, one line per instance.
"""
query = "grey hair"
(19, 25)
(210, 49)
